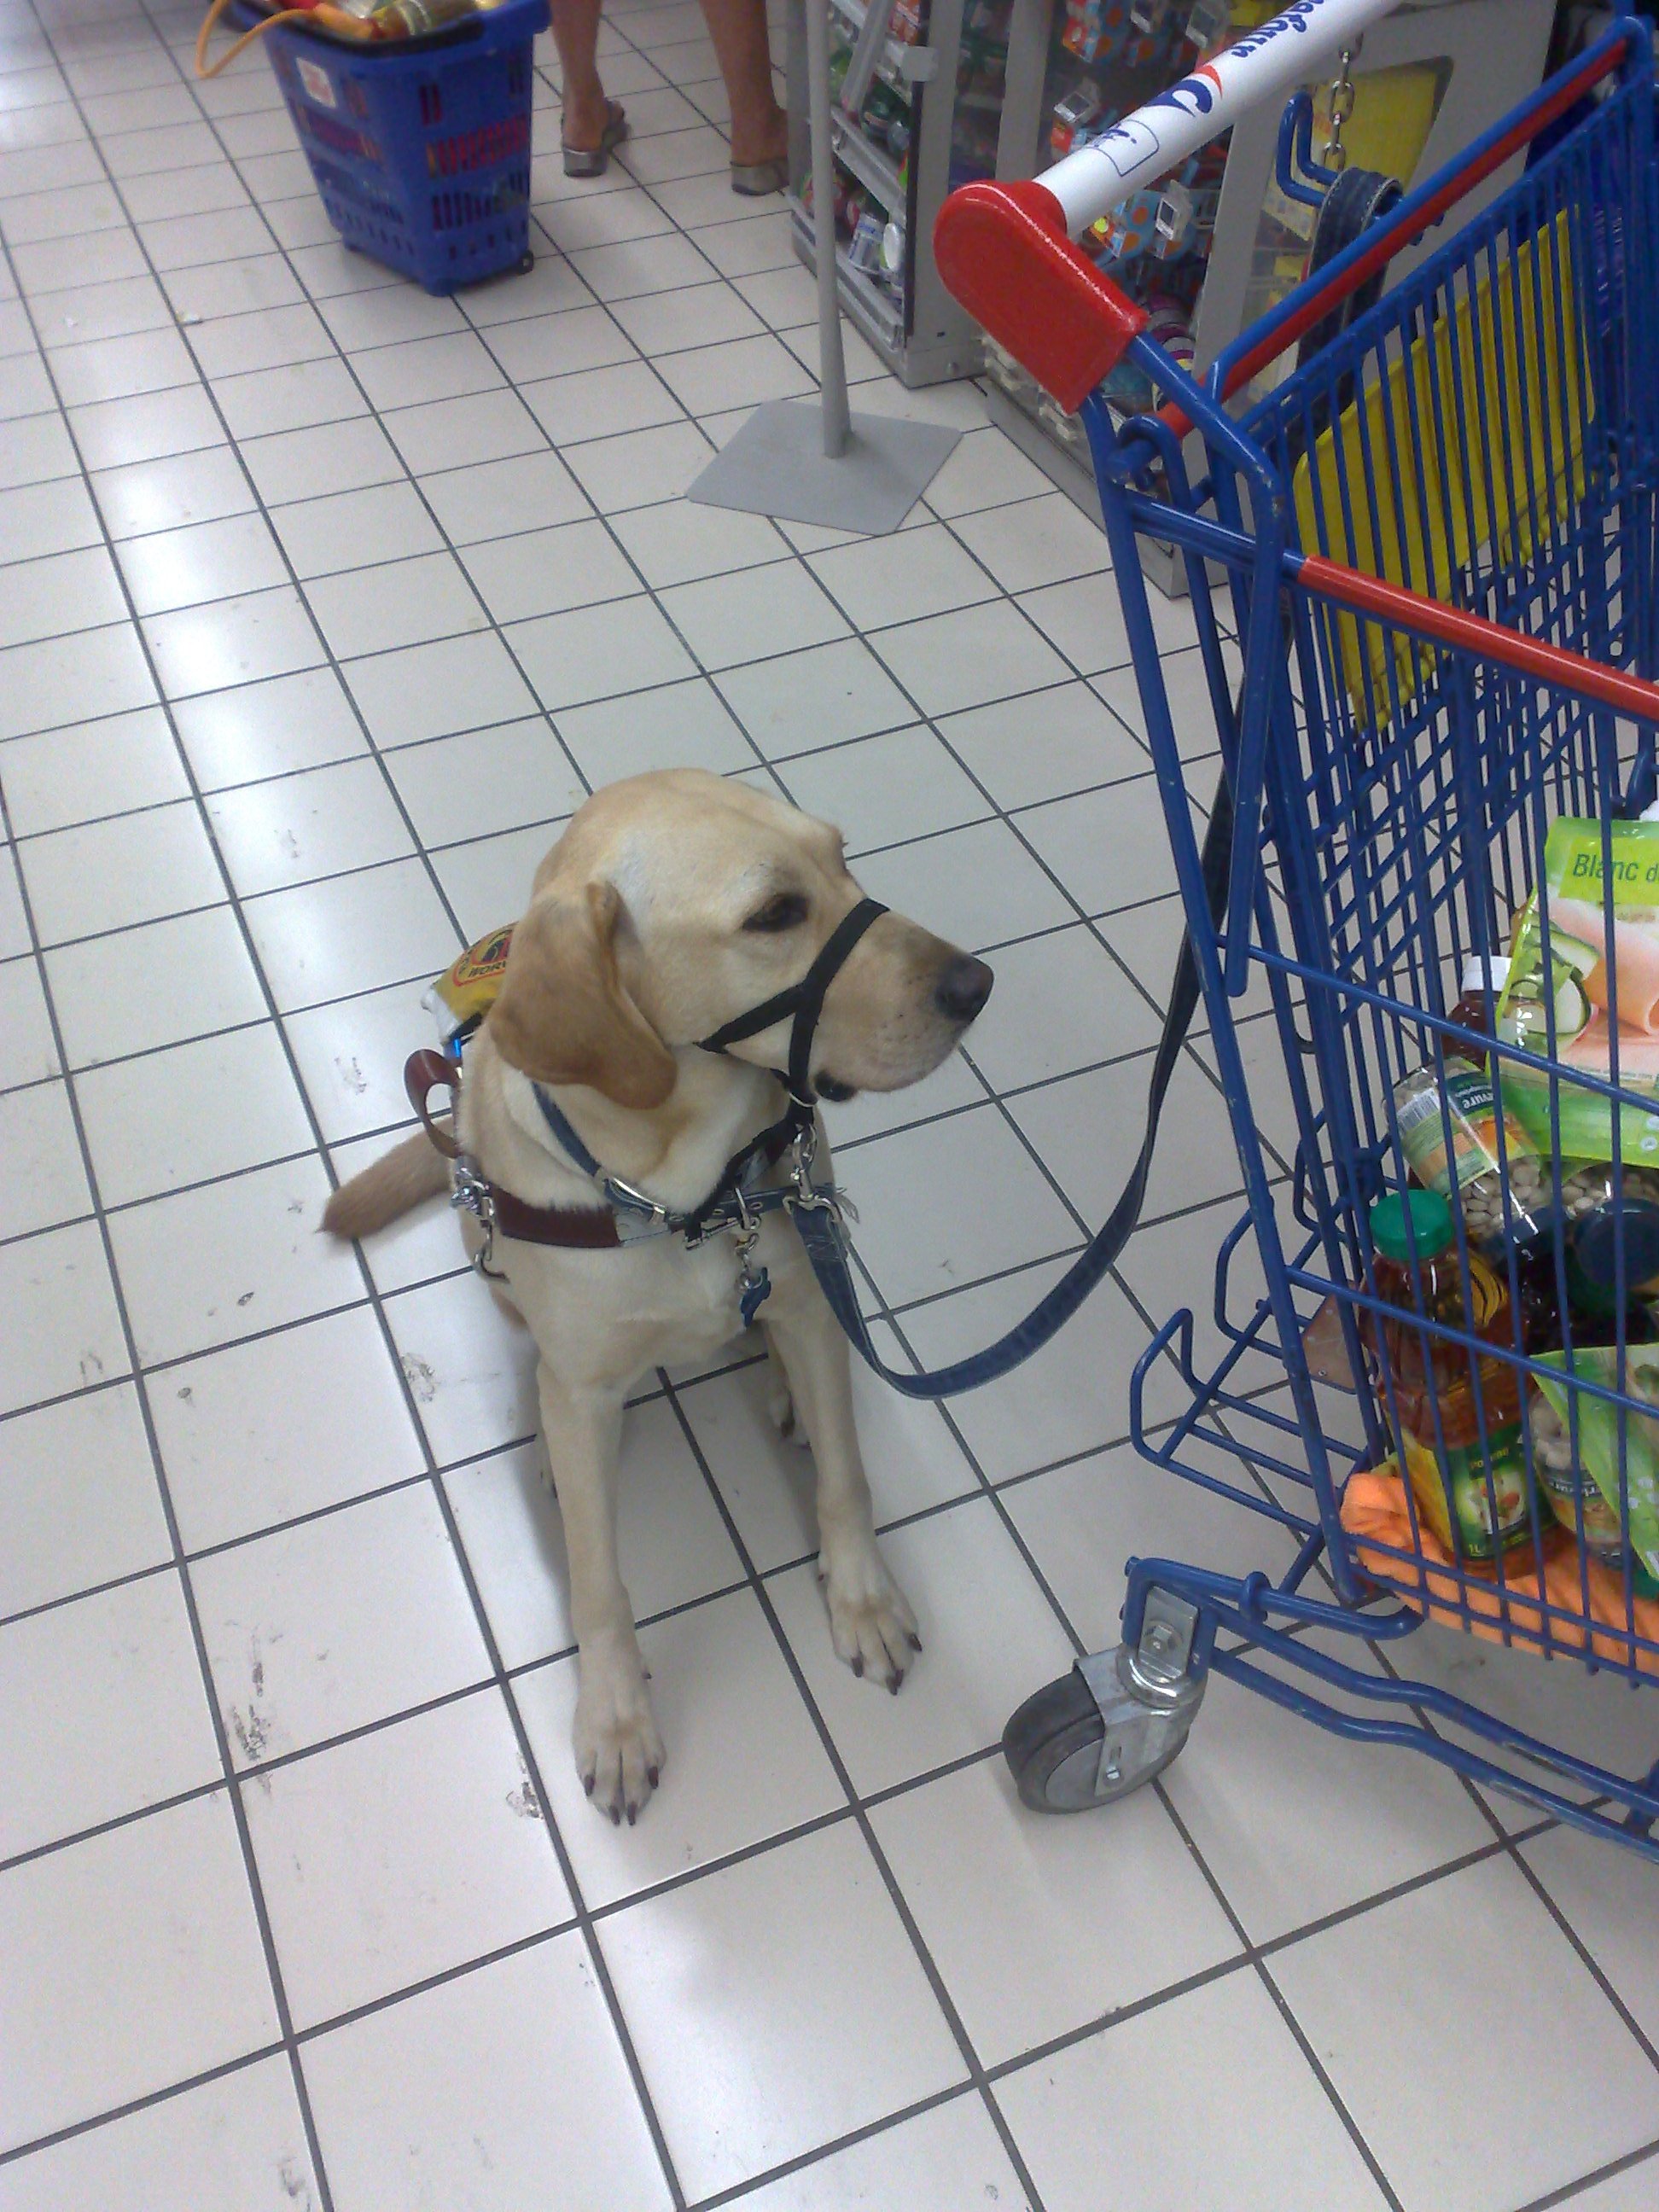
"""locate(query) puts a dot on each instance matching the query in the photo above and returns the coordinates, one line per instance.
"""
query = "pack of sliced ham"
(1583, 991)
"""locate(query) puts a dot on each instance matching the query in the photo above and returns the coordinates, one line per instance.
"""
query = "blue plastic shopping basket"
(421, 151)
(1436, 539)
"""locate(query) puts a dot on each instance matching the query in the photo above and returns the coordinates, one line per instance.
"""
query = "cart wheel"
(526, 262)
(1053, 1746)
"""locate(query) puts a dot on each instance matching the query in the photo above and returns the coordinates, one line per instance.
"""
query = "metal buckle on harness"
(635, 1202)
(470, 1194)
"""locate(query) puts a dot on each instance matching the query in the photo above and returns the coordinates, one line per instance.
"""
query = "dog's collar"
(805, 1002)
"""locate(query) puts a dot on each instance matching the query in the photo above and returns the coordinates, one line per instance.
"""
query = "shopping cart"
(1435, 539)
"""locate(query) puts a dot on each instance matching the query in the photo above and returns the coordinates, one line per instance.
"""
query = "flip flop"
(593, 160)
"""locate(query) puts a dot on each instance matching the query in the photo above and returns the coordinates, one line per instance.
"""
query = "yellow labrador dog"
(619, 1069)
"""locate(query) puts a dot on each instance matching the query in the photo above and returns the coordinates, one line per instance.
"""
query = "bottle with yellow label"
(1461, 1411)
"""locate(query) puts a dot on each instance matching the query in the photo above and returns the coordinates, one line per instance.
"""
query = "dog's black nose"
(963, 987)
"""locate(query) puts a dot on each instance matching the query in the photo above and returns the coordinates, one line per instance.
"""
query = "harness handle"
(425, 1072)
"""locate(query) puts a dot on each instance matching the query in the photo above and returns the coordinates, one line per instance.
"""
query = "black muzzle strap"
(804, 1000)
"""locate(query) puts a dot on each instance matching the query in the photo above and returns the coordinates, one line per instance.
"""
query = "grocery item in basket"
(1570, 1496)
(1599, 1425)
(1612, 1212)
(1458, 1416)
(1476, 1010)
(1463, 1107)
(1558, 1000)
(1413, 1561)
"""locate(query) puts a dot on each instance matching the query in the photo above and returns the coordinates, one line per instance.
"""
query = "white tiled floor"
(322, 602)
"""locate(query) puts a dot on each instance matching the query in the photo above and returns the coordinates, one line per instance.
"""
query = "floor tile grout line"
(1208, 1873)
(871, 1842)
(118, 1292)
(889, 2122)
(1592, 1966)
(1322, 2074)
(1612, 2172)
(176, 1359)
(223, 2072)
(32, 1853)
(333, 659)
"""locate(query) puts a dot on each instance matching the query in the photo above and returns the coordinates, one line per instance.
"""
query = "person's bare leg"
(576, 35)
(760, 131)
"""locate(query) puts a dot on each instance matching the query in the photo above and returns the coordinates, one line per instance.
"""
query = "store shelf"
(891, 66)
(873, 168)
(871, 307)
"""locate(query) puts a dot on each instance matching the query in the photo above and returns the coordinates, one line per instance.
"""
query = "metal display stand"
(917, 329)
(809, 464)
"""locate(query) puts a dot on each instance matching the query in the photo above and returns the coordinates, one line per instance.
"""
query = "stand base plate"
(776, 465)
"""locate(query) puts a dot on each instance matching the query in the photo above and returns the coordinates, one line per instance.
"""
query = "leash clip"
(468, 1193)
(753, 1289)
(807, 1196)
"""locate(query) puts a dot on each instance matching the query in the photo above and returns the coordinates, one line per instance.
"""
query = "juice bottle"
(1418, 1270)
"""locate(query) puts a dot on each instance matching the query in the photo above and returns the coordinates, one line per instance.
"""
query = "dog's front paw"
(870, 1618)
(619, 1753)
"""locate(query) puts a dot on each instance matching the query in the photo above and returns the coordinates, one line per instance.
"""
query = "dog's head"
(674, 903)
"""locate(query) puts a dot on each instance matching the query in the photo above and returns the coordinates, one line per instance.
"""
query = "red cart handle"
(1003, 251)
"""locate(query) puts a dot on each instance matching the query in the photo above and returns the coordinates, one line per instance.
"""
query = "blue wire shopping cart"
(1438, 540)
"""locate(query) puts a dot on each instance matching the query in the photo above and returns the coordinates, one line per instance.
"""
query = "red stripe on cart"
(1528, 656)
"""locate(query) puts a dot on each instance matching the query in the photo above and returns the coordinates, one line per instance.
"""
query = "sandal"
(593, 160)
(754, 180)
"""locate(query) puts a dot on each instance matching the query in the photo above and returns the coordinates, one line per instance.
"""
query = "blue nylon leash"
(825, 1239)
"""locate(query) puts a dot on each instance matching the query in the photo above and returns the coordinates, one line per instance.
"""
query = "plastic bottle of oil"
(1464, 1451)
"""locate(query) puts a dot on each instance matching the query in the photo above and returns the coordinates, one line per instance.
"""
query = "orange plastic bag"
(1375, 1512)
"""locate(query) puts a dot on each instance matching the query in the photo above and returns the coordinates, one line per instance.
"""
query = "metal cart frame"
(1398, 745)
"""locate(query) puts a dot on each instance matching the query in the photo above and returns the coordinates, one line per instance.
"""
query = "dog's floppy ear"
(564, 1014)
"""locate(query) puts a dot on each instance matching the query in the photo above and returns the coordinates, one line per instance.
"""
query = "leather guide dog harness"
(743, 1195)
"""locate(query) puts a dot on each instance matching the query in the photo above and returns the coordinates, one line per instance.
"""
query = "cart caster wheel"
(1071, 1747)
(526, 263)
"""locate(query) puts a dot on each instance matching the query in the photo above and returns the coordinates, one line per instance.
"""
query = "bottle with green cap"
(1459, 1411)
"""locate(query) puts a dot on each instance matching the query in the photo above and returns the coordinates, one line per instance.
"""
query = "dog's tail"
(398, 1182)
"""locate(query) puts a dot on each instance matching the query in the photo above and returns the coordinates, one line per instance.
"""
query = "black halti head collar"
(804, 1000)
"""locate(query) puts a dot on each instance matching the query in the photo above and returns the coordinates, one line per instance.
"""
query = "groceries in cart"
(1559, 1258)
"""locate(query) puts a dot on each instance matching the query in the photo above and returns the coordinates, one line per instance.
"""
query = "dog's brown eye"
(787, 911)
